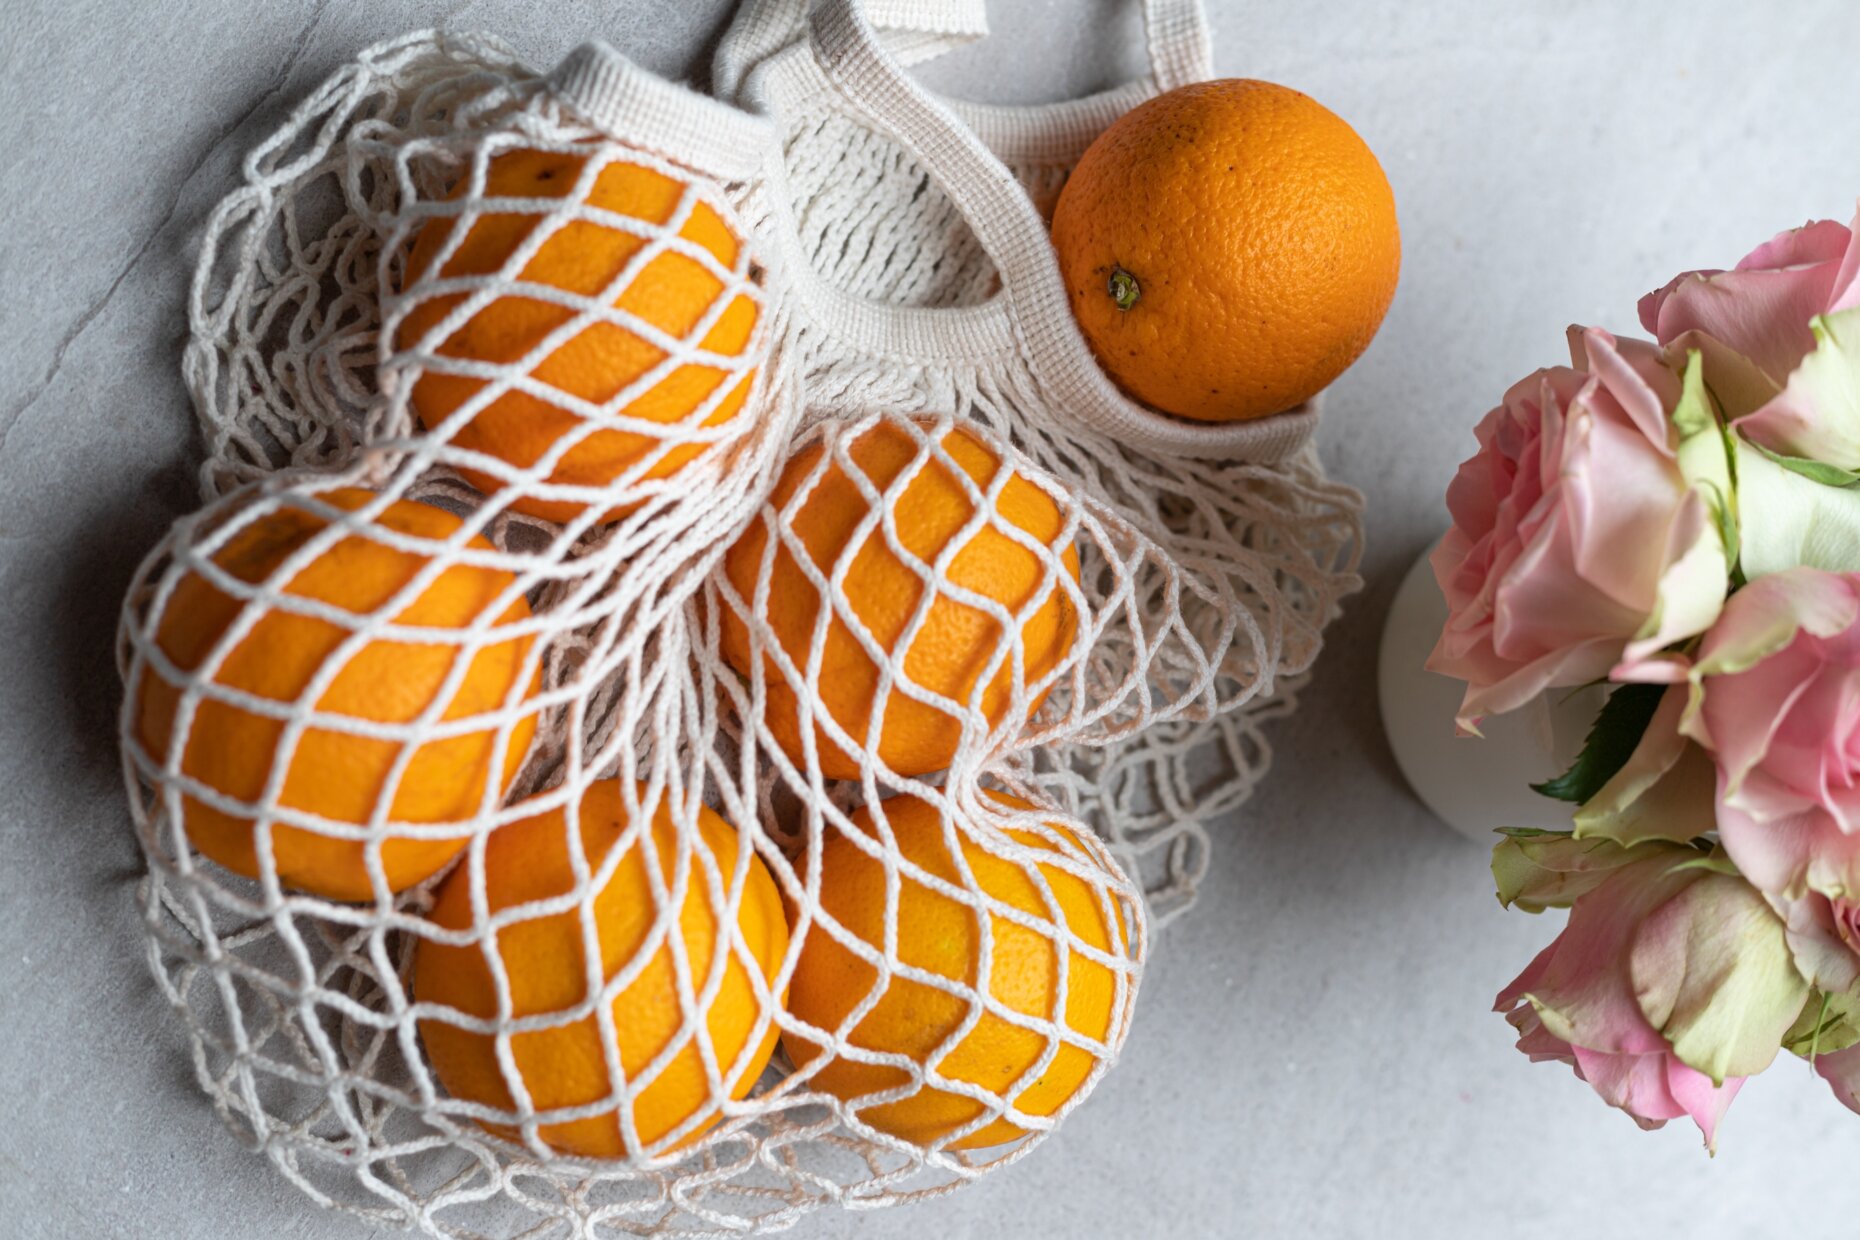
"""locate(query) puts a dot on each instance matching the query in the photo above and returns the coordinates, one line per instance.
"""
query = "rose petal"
(1584, 993)
(1765, 616)
(1704, 1101)
(1507, 690)
(1821, 953)
(1818, 241)
(1539, 870)
(1738, 384)
(1790, 855)
(1638, 1084)
(1817, 415)
(1690, 593)
(1634, 376)
(1538, 1043)
(1789, 521)
(1653, 303)
(1521, 985)
(1713, 973)
(1847, 280)
(1763, 314)
(1841, 1070)
(1621, 490)
(1739, 716)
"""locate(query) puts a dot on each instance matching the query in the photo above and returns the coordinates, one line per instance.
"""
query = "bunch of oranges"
(886, 636)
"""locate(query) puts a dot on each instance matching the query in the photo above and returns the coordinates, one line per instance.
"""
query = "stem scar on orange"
(1229, 248)
(340, 775)
(564, 1064)
(882, 592)
(672, 292)
(941, 936)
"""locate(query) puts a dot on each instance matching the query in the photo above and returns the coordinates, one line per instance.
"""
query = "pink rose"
(1755, 326)
(1670, 985)
(1761, 308)
(1776, 701)
(1577, 540)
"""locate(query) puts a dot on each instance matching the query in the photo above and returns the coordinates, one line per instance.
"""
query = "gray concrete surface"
(1314, 1056)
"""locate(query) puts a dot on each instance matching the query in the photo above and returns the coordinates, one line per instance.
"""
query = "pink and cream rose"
(1577, 539)
(1761, 309)
(1670, 985)
(1776, 702)
(1780, 335)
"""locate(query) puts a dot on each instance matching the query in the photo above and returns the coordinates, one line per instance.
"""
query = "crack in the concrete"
(65, 342)
(279, 80)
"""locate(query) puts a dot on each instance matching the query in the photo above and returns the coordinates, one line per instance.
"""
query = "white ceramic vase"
(1474, 785)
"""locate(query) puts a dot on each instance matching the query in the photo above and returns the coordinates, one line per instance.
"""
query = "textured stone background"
(1314, 1054)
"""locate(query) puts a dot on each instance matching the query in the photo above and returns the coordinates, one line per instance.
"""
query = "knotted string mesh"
(658, 739)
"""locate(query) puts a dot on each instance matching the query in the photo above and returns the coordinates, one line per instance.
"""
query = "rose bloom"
(1576, 541)
(1761, 308)
(1777, 705)
(1668, 987)
(1756, 324)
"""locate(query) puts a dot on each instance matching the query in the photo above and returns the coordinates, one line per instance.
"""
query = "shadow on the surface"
(1335, 775)
(86, 599)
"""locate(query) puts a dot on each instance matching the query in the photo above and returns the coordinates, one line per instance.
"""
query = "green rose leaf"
(1815, 471)
(1612, 739)
(1667, 789)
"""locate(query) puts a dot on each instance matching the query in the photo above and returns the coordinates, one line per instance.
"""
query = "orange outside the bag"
(335, 774)
(543, 957)
(939, 934)
(672, 292)
(1229, 248)
(882, 590)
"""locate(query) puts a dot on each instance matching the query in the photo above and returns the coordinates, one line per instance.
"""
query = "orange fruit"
(339, 775)
(949, 653)
(1229, 249)
(941, 936)
(564, 1065)
(672, 292)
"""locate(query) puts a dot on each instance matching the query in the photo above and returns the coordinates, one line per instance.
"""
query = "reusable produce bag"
(894, 261)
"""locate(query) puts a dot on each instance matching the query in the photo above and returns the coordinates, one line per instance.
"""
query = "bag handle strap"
(1180, 47)
(639, 107)
(1010, 229)
(1175, 35)
(915, 30)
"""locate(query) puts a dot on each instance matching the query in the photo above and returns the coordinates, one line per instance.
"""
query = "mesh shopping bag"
(688, 697)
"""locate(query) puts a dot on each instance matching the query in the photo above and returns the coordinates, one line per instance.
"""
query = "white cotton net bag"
(668, 606)
(911, 231)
